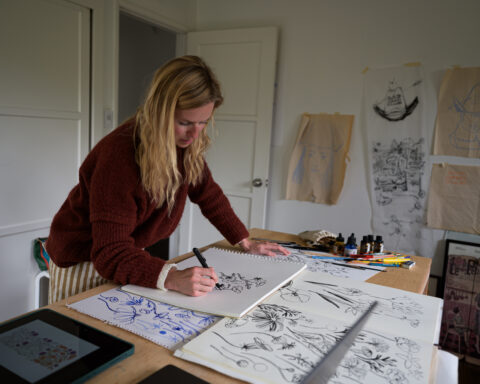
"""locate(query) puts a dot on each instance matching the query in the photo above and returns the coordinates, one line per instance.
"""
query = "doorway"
(143, 48)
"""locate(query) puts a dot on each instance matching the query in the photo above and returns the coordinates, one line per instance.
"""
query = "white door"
(244, 61)
(44, 129)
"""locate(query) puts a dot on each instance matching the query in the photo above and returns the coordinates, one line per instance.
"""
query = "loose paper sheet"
(404, 313)
(246, 280)
(454, 198)
(457, 128)
(336, 268)
(161, 323)
(317, 166)
(281, 343)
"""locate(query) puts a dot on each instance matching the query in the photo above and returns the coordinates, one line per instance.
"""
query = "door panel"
(44, 129)
(244, 62)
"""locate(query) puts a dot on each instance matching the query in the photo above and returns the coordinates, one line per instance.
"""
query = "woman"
(132, 191)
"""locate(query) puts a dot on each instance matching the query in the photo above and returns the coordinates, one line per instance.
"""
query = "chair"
(42, 279)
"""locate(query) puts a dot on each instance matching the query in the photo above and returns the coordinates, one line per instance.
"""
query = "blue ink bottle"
(351, 246)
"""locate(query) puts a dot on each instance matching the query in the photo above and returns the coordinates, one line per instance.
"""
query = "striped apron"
(66, 282)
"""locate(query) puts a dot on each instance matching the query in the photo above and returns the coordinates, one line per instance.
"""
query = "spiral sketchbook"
(245, 280)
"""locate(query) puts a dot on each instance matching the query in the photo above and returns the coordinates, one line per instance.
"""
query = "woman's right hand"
(194, 281)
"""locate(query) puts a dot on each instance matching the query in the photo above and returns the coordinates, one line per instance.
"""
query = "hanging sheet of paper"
(457, 127)
(397, 150)
(161, 323)
(318, 162)
(454, 198)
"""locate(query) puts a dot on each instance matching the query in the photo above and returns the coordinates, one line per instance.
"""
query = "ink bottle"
(339, 246)
(372, 243)
(351, 246)
(365, 246)
(378, 248)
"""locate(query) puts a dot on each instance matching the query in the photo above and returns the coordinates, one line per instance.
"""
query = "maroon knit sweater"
(108, 218)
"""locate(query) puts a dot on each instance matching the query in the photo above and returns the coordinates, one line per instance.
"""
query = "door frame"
(96, 68)
(133, 8)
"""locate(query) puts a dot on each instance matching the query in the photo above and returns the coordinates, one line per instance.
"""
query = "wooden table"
(150, 357)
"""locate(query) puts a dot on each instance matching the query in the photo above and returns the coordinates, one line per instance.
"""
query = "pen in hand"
(204, 263)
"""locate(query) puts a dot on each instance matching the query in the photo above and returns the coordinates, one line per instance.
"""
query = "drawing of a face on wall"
(315, 162)
(467, 131)
(394, 106)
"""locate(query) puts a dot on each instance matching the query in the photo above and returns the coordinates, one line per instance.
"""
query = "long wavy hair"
(182, 83)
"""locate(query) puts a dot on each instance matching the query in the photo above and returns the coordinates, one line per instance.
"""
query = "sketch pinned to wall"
(280, 344)
(457, 128)
(161, 323)
(318, 162)
(454, 198)
(397, 150)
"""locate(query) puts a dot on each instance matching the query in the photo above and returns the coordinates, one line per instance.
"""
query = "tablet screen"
(37, 349)
(48, 347)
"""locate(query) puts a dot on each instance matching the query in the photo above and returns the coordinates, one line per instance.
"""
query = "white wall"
(324, 47)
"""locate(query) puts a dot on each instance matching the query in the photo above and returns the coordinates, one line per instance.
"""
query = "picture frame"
(460, 327)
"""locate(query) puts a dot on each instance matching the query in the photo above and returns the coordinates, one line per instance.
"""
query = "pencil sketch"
(466, 135)
(161, 323)
(394, 106)
(316, 162)
(236, 282)
(277, 344)
(397, 171)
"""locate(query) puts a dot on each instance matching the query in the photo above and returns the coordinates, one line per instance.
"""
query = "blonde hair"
(182, 83)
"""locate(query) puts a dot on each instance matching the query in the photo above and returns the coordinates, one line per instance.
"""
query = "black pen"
(204, 263)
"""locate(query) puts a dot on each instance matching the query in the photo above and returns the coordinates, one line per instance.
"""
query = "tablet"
(47, 347)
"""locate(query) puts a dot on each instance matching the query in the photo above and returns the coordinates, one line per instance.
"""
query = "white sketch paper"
(400, 312)
(278, 344)
(397, 149)
(161, 323)
(245, 281)
(333, 267)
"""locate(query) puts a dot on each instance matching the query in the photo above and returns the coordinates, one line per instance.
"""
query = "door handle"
(257, 182)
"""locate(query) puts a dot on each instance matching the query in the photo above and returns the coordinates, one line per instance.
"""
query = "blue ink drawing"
(466, 135)
(161, 323)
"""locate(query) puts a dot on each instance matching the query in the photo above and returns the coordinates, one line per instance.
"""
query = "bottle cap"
(370, 238)
(379, 238)
(340, 237)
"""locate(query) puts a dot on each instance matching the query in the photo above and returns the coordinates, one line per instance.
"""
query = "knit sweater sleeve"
(114, 204)
(216, 208)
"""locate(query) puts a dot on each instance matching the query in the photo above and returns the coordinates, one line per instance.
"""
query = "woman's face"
(190, 122)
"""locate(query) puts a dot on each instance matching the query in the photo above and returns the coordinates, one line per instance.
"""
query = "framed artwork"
(460, 330)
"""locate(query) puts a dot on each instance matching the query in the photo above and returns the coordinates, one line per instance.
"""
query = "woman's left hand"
(262, 248)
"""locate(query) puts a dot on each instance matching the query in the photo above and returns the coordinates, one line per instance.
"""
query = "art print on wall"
(460, 331)
(397, 150)
(457, 128)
